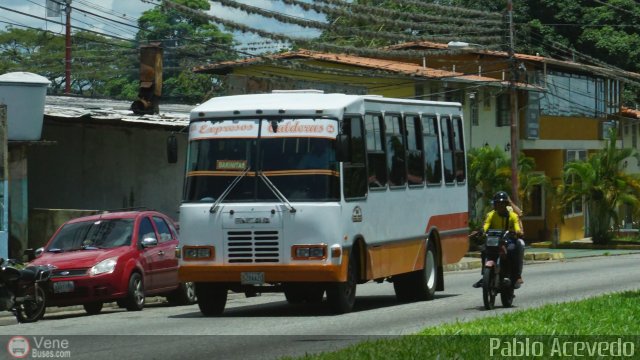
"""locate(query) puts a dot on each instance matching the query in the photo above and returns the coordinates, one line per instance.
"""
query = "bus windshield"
(296, 155)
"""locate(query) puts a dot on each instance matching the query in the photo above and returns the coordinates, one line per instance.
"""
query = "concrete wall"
(100, 167)
(43, 223)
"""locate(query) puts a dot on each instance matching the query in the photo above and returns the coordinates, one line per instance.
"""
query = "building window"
(503, 115)
(535, 205)
(575, 208)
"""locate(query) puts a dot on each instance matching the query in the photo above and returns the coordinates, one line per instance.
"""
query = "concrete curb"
(586, 246)
(473, 261)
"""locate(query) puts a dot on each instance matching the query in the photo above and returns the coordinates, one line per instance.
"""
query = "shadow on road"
(284, 309)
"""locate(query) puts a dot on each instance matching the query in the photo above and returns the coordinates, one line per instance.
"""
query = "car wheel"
(185, 294)
(135, 295)
(93, 308)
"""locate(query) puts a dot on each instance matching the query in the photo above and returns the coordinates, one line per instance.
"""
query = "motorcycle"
(22, 290)
(497, 274)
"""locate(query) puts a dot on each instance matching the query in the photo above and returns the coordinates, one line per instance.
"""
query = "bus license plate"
(63, 287)
(252, 278)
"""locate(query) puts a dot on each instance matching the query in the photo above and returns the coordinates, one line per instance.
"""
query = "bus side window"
(377, 171)
(415, 158)
(459, 158)
(432, 156)
(355, 172)
(447, 149)
(395, 149)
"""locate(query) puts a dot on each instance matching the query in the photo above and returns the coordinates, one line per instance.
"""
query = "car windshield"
(98, 234)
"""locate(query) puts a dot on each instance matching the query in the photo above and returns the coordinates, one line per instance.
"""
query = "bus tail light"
(198, 253)
(309, 252)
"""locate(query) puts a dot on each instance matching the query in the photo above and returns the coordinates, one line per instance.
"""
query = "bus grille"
(248, 246)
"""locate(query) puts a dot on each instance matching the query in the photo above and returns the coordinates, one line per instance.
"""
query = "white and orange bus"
(305, 193)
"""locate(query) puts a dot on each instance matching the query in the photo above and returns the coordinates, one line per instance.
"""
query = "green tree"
(603, 186)
(101, 66)
(188, 40)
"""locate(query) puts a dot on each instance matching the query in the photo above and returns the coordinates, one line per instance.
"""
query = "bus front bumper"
(272, 273)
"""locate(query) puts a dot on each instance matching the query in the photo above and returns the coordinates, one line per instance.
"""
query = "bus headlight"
(309, 252)
(198, 253)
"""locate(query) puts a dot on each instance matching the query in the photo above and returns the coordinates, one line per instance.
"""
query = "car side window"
(146, 230)
(163, 229)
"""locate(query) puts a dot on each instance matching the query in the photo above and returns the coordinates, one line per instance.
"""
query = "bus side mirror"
(342, 148)
(172, 149)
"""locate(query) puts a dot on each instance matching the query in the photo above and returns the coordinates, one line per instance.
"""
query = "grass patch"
(603, 318)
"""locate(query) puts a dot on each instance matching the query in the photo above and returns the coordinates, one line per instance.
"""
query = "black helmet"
(500, 196)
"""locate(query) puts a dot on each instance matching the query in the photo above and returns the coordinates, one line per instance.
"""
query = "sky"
(128, 11)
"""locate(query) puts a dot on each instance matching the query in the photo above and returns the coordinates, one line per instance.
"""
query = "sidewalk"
(537, 254)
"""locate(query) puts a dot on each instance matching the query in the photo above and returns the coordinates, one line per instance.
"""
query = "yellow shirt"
(495, 221)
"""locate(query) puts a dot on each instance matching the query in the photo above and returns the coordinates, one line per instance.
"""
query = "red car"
(118, 256)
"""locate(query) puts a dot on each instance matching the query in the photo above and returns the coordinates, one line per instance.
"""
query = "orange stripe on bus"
(272, 273)
(454, 246)
(395, 258)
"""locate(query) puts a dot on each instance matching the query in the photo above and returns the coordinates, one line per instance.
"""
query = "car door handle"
(161, 253)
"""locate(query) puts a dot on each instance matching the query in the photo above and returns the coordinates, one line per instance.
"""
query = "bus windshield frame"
(297, 154)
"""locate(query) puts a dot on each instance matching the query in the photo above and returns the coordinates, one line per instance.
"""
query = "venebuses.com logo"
(18, 347)
(21, 347)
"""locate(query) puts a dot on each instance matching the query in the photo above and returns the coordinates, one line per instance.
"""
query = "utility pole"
(513, 105)
(67, 53)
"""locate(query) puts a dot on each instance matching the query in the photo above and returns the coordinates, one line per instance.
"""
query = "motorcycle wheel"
(506, 296)
(32, 310)
(488, 292)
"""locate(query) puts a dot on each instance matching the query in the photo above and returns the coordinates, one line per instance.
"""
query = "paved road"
(266, 327)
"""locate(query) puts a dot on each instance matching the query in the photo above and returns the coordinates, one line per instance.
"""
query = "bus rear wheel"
(212, 298)
(418, 285)
(341, 296)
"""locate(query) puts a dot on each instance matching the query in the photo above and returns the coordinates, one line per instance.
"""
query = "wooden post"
(4, 185)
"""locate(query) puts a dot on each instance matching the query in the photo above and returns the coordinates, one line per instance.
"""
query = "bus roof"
(295, 103)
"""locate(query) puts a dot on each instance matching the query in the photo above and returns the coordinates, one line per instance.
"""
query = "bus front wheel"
(342, 295)
(212, 298)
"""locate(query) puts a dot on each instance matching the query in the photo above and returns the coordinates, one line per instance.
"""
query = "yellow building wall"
(388, 87)
(568, 128)
(551, 162)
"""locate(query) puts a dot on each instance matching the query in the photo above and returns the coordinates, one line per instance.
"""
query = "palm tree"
(490, 171)
(603, 186)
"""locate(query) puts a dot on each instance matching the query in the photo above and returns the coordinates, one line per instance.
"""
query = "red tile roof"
(399, 67)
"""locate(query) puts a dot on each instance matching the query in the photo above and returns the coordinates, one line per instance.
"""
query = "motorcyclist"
(504, 216)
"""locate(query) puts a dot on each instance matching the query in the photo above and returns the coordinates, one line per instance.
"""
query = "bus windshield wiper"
(226, 192)
(276, 192)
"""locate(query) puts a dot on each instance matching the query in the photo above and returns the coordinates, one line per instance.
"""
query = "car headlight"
(104, 267)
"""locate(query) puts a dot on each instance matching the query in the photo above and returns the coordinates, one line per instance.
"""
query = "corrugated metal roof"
(90, 109)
